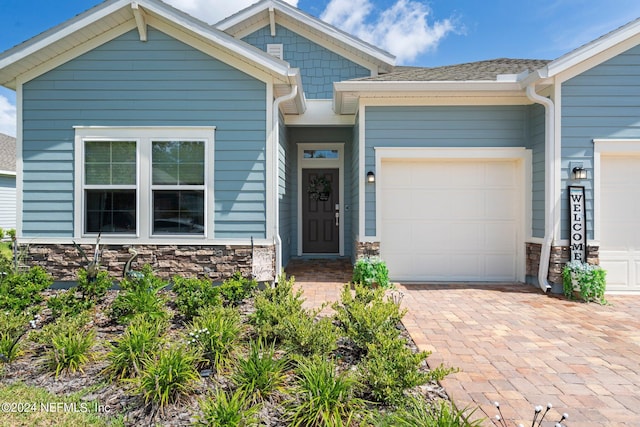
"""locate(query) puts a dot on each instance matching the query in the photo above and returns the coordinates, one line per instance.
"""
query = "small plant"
(367, 316)
(12, 328)
(69, 350)
(224, 409)
(325, 397)
(140, 340)
(261, 374)
(418, 412)
(21, 291)
(216, 332)
(87, 293)
(371, 272)
(140, 295)
(168, 376)
(193, 294)
(586, 279)
(306, 336)
(274, 304)
(390, 368)
(538, 416)
(236, 289)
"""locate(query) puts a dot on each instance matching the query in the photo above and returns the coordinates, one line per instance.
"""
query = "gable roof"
(7, 154)
(270, 12)
(113, 18)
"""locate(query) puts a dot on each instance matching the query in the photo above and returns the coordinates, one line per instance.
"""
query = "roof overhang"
(348, 94)
(271, 12)
(116, 17)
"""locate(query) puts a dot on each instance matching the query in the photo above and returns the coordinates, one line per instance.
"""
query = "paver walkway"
(520, 347)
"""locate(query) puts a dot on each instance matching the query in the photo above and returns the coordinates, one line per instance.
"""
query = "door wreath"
(319, 189)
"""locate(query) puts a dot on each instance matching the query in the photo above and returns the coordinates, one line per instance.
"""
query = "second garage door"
(451, 220)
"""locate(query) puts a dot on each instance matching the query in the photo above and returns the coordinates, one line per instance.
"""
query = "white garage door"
(453, 220)
(620, 222)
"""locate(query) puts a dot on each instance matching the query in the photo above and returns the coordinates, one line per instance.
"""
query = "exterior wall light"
(371, 177)
(579, 172)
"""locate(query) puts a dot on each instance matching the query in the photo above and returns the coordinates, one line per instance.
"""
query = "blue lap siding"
(161, 82)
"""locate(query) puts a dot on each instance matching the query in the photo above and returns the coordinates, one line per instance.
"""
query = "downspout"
(550, 196)
(276, 180)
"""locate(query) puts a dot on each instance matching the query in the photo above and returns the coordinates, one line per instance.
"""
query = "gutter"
(276, 164)
(550, 196)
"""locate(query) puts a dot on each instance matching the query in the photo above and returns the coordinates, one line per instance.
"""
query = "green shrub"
(236, 289)
(274, 304)
(216, 333)
(168, 376)
(325, 397)
(96, 289)
(224, 409)
(61, 325)
(69, 350)
(261, 374)
(586, 279)
(140, 295)
(140, 340)
(306, 336)
(370, 271)
(12, 328)
(390, 368)
(193, 294)
(21, 291)
(367, 316)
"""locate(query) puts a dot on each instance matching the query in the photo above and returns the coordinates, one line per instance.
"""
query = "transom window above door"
(144, 182)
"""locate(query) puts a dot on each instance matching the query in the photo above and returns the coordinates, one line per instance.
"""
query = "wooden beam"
(272, 21)
(141, 21)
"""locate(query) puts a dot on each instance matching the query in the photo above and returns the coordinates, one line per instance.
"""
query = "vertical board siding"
(7, 202)
(356, 175)
(319, 67)
(466, 127)
(603, 102)
(161, 82)
(537, 138)
(286, 176)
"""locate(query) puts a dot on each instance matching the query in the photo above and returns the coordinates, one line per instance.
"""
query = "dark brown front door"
(320, 198)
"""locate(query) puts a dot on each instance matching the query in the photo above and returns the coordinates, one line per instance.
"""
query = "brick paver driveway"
(517, 346)
(522, 348)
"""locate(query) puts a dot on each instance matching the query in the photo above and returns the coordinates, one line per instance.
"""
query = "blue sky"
(418, 32)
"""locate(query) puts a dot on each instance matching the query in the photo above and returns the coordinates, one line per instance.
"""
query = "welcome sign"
(577, 224)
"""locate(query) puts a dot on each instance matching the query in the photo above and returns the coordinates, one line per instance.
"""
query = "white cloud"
(7, 117)
(212, 11)
(402, 29)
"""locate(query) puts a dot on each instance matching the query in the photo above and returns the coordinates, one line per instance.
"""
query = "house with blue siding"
(274, 136)
(7, 182)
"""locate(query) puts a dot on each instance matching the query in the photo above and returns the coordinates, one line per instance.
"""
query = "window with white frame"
(144, 182)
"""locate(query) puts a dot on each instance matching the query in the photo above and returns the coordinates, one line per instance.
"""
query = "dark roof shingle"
(470, 71)
(7, 153)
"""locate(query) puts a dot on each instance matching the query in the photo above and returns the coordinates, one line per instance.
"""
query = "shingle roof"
(470, 71)
(7, 153)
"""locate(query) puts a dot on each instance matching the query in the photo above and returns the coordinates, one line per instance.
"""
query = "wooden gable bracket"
(141, 21)
(272, 21)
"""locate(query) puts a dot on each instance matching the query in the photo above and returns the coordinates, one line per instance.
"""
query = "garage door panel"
(620, 221)
(464, 217)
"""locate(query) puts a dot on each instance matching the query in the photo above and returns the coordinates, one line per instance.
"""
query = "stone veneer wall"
(558, 258)
(366, 249)
(214, 262)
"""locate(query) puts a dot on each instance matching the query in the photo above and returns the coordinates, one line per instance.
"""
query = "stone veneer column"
(558, 258)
